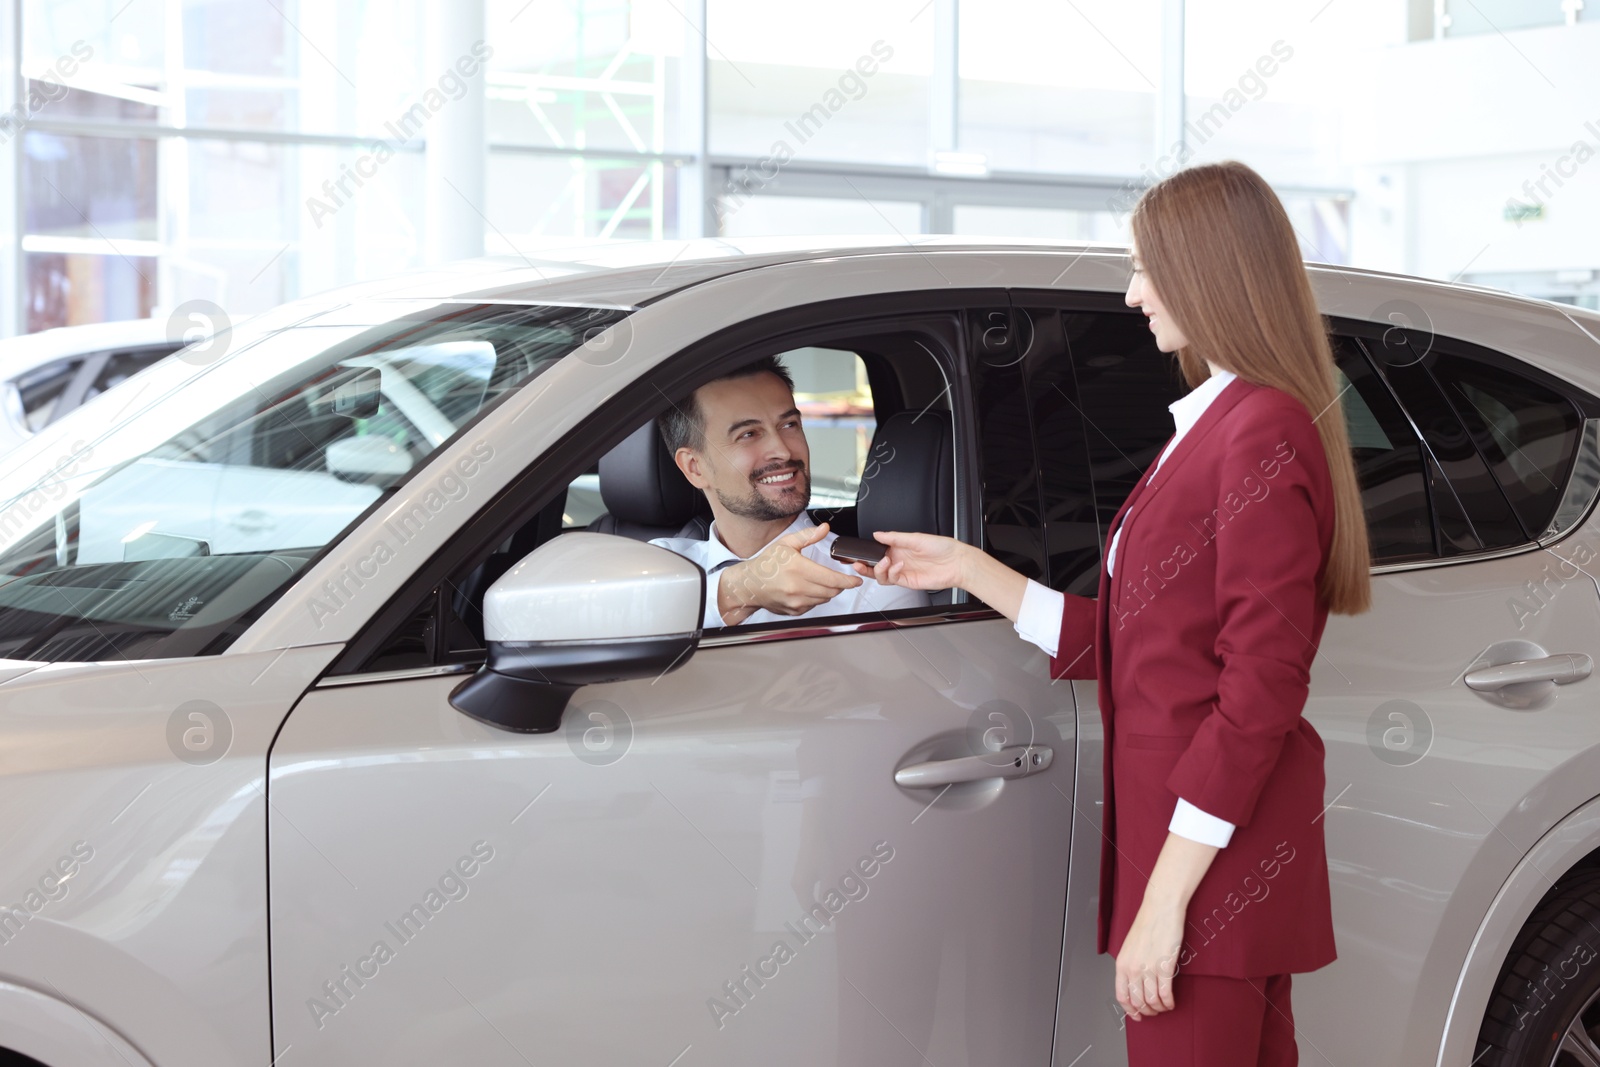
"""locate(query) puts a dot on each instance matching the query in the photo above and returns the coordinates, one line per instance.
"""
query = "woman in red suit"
(1222, 567)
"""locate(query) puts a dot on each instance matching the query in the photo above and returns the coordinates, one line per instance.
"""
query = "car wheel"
(1546, 1007)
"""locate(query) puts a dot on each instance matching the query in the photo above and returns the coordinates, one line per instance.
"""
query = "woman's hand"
(1149, 960)
(1149, 957)
(929, 561)
(917, 561)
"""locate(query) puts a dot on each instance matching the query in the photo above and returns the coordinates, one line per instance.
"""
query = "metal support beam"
(456, 160)
(944, 104)
(1171, 136)
(696, 197)
(13, 279)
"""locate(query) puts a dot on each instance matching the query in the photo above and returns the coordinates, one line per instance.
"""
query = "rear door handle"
(1563, 669)
(1016, 761)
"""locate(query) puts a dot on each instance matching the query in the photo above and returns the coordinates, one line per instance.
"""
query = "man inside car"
(739, 440)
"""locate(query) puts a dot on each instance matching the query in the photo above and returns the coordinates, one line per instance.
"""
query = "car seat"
(646, 495)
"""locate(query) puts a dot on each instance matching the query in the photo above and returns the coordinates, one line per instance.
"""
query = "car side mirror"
(579, 610)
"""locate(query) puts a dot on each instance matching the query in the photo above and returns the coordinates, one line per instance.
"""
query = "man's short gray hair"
(684, 425)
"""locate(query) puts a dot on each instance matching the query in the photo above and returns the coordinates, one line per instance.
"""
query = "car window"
(998, 341)
(583, 504)
(1527, 432)
(41, 388)
(1124, 385)
(179, 522)
(1100, 396)
(1472, 511)
(835, 401)
(1391, 465)
(841, 416)
(120, 366)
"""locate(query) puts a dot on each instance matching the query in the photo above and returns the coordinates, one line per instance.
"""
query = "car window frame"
(1432, 472)
(1586, 407)
(1365, 335)
(77, 362)
(102, 359)
(1577, 501)
(544, 480)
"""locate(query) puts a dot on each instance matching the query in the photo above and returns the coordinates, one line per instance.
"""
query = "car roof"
(634, 273)
(18, 354)
(630, 273)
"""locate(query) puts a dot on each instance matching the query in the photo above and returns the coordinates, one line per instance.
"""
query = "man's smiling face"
(755, 461)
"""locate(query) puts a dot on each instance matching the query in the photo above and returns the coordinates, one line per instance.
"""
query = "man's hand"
(780, 579)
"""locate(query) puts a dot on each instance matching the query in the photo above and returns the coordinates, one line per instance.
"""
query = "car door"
(1436, 788)
(1075, 454)
(713, 866)
(1430, 783)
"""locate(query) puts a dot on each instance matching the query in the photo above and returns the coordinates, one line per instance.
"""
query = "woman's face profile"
(1142, 295)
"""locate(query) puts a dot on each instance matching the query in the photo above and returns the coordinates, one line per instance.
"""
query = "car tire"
(1546, 1003)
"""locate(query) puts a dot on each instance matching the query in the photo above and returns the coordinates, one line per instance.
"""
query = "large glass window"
(1048, 86)
(1463, 18)
(213, 487)
(586, 74)
(535, 198)
(290, 66)
(1271, 83)
(1039, 222)
(815, 214)
(131, 226)
(828, 80)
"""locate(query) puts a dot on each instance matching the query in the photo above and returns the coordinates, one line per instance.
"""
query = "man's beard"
(764, 509)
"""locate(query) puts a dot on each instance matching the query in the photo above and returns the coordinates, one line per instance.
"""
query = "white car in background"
(45, 375)
(203, 495)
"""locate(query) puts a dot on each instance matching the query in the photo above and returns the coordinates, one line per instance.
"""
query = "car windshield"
(160, 518)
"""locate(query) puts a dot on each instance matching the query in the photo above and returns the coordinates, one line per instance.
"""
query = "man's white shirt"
(716, 557)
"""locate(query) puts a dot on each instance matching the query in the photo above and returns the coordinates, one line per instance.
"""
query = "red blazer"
(1206, 636)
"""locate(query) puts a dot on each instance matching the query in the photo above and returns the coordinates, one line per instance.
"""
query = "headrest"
(639, 483)
(909, 481)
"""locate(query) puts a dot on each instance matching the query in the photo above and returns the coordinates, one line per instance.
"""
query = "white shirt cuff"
(1039, 618)
(1189, 821)
(713, 617)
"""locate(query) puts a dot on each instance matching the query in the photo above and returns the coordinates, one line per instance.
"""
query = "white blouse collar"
(1186, 410)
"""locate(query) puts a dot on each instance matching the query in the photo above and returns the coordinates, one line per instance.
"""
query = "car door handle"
(1563, 669)
(1016, 761)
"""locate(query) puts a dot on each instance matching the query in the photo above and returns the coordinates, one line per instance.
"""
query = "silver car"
(445, 770)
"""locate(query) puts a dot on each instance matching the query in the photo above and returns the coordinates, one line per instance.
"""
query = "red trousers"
(1218, 1022)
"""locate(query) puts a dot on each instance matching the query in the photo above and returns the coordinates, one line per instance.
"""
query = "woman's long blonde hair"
(1220, 252)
